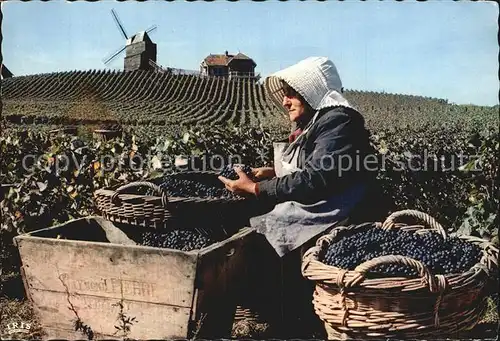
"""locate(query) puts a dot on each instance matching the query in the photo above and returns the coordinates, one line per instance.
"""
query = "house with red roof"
(227, 65)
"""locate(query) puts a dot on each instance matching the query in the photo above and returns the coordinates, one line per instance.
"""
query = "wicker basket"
(354, 307)
(244, 313)
(125, 205)
(73, 130)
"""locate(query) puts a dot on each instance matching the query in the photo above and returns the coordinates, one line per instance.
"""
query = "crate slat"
(153, 320)
(109, 270)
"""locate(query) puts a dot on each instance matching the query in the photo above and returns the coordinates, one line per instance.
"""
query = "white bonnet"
(314, 78)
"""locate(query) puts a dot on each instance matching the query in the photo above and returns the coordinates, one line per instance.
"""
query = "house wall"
(245, 66)
(218, 70)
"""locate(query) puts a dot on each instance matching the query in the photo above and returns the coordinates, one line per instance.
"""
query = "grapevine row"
(142, 96)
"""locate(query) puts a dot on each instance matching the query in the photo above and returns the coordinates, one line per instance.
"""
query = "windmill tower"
(139, 49)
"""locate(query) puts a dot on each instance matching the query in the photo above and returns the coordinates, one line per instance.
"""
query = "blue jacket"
(337, 138)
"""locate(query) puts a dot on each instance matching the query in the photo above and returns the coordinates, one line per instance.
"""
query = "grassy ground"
(487, 328)
(17, 311)
(14, 311)
(20, 310)
(14, 308)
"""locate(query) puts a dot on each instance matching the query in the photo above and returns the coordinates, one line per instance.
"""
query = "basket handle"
(151, 185)
(429, 221)
(363, 268)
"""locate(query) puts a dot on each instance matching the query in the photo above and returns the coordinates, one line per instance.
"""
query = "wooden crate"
(171, 293)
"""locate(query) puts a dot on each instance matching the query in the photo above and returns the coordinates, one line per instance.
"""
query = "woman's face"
(294, 106)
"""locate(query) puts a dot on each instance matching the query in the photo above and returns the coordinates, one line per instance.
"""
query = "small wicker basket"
(73, 130)
(244, 313)
(107, 134)
(354, 307)
(124, 204)
(248, 324)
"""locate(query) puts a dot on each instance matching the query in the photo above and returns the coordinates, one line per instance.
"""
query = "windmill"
(139, 49)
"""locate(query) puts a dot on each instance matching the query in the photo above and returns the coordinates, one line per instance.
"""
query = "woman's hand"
(263, 173)
(243, 185)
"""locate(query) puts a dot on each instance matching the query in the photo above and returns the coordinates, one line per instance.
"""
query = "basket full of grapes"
(180, 199)
(403, 278)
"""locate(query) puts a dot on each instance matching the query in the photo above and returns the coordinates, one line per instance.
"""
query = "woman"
(321, 176)
(318, 181)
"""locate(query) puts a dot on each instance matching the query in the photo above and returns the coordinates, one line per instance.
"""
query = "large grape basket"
(354, 305)
(144, 203)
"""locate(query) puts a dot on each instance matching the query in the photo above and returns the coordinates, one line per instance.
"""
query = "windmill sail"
(133, 60)
(151, 29)
(119, 23)
(114, 55)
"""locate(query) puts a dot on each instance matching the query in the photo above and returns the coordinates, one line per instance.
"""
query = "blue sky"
(438, 48)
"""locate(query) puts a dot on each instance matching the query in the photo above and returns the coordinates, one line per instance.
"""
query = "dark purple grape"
(185, 240)
(441, 257)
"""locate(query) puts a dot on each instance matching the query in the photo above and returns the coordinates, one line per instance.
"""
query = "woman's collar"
(304, 122)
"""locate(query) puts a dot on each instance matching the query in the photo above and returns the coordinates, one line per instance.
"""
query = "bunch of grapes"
(179, 239)
(189, 188)
(230, 173)
(441, 256)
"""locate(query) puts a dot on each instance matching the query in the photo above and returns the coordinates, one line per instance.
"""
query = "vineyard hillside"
(161, 99)
(135, 97)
